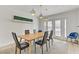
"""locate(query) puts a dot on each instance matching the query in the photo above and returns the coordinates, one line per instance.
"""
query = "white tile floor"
(59, 47)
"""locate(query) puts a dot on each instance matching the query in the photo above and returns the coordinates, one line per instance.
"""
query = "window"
(58, 27)
(49, 25)
(45, 25)
(65, 26)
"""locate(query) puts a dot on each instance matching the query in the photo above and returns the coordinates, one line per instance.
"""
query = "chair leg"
(75, 40)
(46, 47)
(15, 50)
(20, 51)
(71, 40)
(42, 49)
(49, 43)
(52, 41)
(24, 50)
(66, 39)
(35, 48)
(34, 45)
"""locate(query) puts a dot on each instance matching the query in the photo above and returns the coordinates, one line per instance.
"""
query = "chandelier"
(33, 12)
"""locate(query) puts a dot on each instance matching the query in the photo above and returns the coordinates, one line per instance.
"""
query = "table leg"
(30, 47)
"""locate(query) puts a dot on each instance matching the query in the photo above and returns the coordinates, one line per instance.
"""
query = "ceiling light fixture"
(33, 12)
(41, 15)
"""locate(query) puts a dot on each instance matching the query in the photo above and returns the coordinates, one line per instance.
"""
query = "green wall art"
(22, 18)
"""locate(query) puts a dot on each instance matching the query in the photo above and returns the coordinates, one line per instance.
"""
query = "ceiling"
(51, 9)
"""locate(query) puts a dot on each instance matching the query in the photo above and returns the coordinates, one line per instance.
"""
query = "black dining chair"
(50, 38)
(27, 31)
(19, 45)
(39, 30)
(42, 42)
(34, 31)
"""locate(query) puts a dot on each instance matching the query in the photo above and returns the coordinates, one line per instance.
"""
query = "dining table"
(31, 37)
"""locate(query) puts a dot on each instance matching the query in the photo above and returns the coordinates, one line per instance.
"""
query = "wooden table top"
(30, 37)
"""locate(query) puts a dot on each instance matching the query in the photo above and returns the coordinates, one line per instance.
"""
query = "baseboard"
(7, 45)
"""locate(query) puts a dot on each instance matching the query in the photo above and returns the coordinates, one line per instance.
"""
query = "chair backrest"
(45, 36)
(39, 30)
(34, 31)
(51, 34)
(16, 40)
(74, 34)
(27, 31)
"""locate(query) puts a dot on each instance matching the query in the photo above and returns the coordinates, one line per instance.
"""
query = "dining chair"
(27, 31)
(42, 42)
(34, 31)
(19, 45)
(39, 30)
(50, 38)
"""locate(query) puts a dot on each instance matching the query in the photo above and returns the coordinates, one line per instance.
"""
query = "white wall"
(72, 18)
(7, 25)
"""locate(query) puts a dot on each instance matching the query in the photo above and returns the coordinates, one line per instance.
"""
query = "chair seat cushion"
(39, 42)
(24, 45)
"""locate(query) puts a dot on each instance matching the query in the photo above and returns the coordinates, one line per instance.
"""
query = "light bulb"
(40, 16)
(33, 12)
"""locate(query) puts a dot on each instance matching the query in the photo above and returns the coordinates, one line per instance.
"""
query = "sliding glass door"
(48, 26)
(57, 27)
